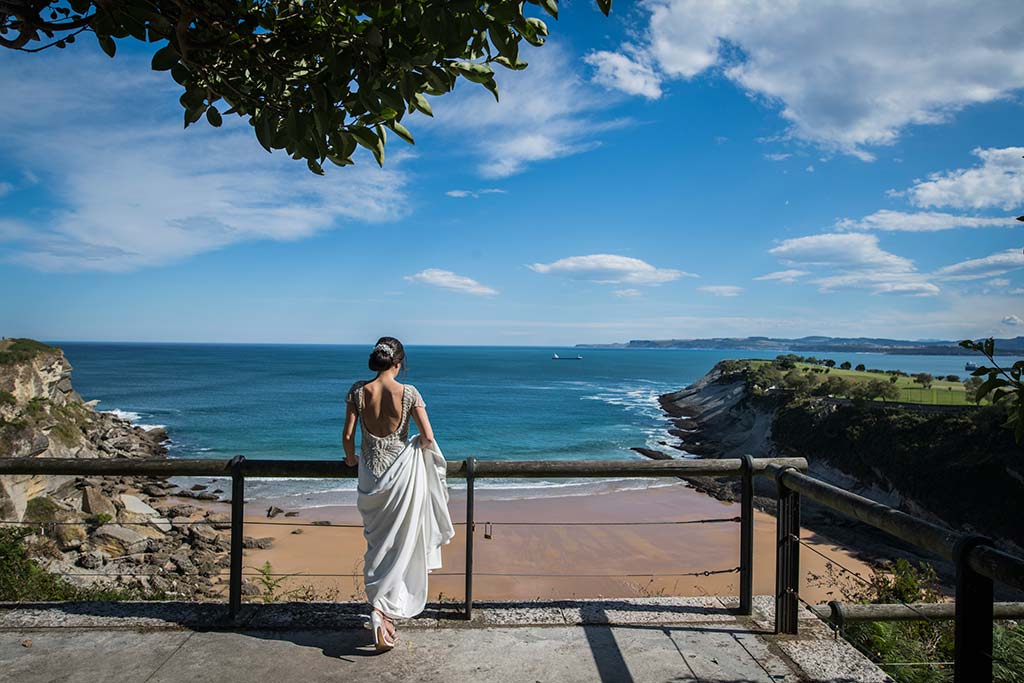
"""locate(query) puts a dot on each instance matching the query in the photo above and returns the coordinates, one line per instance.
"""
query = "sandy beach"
(547, 548)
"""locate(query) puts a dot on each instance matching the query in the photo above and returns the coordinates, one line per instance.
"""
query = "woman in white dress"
(403, 495)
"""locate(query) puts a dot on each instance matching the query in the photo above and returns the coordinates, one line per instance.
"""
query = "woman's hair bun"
(386, 354)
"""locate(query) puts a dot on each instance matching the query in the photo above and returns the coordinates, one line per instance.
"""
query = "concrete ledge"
(684, 639)
(340, 615)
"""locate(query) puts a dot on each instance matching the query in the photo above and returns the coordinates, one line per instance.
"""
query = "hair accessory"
(384, 349)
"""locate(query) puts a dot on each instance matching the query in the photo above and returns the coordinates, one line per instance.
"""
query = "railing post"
(747, 537)
(972, 634)
(470, 477)
(237, 529)
(787, 556)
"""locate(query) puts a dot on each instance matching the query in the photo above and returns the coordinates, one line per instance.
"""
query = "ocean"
(287, 401)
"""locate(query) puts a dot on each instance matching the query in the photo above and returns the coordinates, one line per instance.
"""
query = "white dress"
(403, 499)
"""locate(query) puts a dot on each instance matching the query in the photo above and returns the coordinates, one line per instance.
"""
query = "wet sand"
(554, 546)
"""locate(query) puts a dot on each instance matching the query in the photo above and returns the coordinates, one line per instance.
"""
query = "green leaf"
(508, 46)
(402, 132)
(420, 102)
(478, 73)
(538, 25)
(165, 58)
(605, 6)
(551, 7)
(264, 131)
(492, 85)
(314, 166)
(214, 117)
(515, 66)
(107, 44)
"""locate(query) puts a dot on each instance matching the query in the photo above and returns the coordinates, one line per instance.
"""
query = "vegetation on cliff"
(21, 350)
(917, 651)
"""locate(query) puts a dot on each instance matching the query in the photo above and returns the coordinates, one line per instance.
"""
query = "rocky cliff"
(958, 469)
(129, 532)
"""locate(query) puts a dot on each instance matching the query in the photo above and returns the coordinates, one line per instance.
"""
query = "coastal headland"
(955, 465)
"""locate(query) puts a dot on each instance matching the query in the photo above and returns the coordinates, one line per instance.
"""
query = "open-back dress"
(403, 499)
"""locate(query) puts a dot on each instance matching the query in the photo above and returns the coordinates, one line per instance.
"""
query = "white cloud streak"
(980, 268)
(446, 279)
(998, 182)
(473, 194)
(627, 73)
(721, 290)
(546, 112)
(609, 269)
(132, 190)
(923, 221)
(784, 276)
(854, 261)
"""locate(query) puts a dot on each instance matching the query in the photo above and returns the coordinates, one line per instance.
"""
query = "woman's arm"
(348, 436)
(419, 413)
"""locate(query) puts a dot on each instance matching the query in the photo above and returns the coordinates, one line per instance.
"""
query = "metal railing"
(978, 562)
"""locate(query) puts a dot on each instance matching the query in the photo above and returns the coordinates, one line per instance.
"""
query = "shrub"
(20, 350)
(7, 398)
(920, 641)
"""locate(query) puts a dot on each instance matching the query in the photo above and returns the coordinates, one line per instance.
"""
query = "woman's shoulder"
(414, 396)
(352, 390)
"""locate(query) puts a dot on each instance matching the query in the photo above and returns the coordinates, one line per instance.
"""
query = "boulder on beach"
(95, 503)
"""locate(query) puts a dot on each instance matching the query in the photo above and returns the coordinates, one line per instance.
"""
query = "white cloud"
(626, 293)
(629, 74)
(923, 221)
(810, 168)
(999, 282)
(854, 261)
(546, 112)
(778, 156)
(784, 276)
(1016, 290)
(473, 194)
(610, 269)
(1013, 320)
(986, 267)
(446, 279)
(5, 189)
(840, 249)
(848, 74)
(721, 290)
(131, 189)
(997, 183)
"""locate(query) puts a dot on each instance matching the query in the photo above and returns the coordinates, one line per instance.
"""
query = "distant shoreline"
(817, 345)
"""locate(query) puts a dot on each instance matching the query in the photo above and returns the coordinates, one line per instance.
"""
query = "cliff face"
(42, 416)
(958, 469)
(128, 532)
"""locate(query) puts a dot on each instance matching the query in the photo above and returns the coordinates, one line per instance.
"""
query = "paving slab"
(651, 639)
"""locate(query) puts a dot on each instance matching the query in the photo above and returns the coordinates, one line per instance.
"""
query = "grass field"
(941, 392)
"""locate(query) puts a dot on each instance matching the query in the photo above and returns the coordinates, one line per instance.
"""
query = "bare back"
(383, 409)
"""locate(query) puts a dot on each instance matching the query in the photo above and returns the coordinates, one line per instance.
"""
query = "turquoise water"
(286, 401)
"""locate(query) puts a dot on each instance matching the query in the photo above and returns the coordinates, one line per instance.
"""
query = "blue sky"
(681, 169)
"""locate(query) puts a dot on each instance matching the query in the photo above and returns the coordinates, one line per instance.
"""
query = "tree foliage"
(1000, 385)
(316, 79)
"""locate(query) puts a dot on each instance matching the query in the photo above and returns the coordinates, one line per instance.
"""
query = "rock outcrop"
(123, 531)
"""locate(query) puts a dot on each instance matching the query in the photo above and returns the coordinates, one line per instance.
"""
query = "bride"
(403, 496)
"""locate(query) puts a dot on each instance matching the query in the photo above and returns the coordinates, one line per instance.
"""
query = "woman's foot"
(384, 633)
